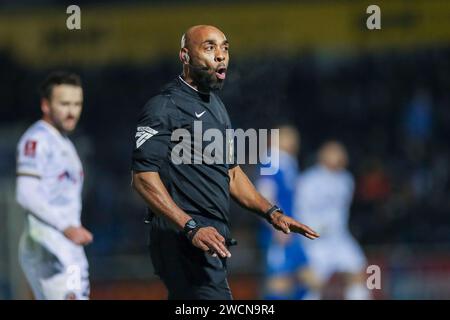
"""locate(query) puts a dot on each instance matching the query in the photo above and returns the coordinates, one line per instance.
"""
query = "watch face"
(191, 224)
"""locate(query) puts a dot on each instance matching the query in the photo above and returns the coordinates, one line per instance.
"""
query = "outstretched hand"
(287, 224)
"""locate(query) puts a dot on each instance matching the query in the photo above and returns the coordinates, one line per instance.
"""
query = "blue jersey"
(279, 189)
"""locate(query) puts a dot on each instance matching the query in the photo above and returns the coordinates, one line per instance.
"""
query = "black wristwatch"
(270, 211)
(191, 225)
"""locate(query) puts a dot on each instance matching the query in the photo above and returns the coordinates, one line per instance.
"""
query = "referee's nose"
(220, 56)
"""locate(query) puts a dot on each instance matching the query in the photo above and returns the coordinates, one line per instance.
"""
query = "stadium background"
(384, 93)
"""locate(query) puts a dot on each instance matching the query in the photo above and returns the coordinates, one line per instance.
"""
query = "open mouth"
(221, 73)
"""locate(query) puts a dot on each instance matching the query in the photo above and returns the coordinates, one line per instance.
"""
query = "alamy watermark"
(73, 21)
(212, 146)
(215, 146)
(373, 22)
(374, 279)
(73, 282)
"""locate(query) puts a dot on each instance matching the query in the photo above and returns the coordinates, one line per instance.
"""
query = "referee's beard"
(205, 79)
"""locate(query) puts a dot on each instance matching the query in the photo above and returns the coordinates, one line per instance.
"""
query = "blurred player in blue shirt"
(287, 273)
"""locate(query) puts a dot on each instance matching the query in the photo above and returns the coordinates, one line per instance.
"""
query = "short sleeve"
(32, 155)
(152, 136)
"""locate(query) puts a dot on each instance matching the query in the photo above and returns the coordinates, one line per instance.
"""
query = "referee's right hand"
(78, 235)
(210, 240)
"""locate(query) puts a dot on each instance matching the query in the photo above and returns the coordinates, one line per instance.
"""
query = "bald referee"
(189, 203)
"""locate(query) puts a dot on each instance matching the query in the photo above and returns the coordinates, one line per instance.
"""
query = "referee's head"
(204, 54)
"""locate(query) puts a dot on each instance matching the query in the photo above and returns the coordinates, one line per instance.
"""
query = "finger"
(301, 228)
(224, 249)
(310, 231)
(219, 237)
(285, 228)
(216, 248)
(314, 234)
(310, 236)
(214, 233)
(220, 249)
(87, 237)
(203, 246)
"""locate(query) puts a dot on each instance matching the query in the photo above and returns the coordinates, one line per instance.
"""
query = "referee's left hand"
(287, 224)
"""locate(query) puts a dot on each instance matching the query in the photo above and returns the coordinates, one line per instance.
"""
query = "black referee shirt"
(201, 189)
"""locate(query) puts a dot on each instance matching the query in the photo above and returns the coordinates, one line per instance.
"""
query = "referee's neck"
(187, 80)
(188, 83)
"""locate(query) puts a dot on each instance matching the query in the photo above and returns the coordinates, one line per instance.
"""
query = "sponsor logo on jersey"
(68, 176)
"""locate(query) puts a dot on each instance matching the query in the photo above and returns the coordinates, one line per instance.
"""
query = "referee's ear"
(184, 56)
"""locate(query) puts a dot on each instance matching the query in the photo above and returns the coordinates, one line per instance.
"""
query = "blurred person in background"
(286, 267)
(324, 196)
(418, 123)
(49, 185)
(418, 126)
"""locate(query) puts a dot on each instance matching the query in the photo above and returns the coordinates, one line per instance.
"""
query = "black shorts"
(187, 271)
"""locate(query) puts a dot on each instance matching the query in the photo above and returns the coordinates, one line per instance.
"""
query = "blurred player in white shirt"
(324, 196)
(49, 184)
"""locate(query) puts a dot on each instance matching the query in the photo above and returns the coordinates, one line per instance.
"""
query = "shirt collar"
(52, 129)
(182, 80)
(186, 87)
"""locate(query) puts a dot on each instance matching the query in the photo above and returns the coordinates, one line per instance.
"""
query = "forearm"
(30, 197)
(244, 192)
(152, 190)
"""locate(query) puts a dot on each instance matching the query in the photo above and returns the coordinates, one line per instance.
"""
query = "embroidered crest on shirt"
(30, 148)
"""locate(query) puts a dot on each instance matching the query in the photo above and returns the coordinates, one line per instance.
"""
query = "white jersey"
(45, 153)
(323, 199)
(50, 260)
(323, 203)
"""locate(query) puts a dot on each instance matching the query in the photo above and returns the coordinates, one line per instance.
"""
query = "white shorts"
(53, 277)
(335, 254)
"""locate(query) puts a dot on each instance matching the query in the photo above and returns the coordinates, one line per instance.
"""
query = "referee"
(189, 203)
